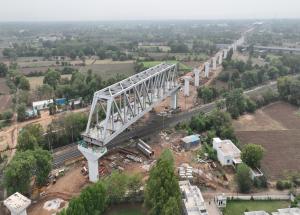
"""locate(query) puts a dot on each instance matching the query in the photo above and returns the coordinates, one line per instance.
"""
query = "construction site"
(138, 155)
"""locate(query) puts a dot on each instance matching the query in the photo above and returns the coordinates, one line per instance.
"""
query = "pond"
(126, 209)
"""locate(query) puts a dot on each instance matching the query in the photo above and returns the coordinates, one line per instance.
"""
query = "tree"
(21, 112)
(162, 189)
(7, 115)
(243, 178)
(26, 141)
(43, 165)
(3, 70)
(52, 78)
(23, 83)
(252, 155)
(18, 173)
(235, 103)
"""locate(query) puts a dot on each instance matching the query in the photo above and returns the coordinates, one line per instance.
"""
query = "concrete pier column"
(197, 77)
(221, 58)
(174, 96)
(225, 53)
(17, 204)
(214, 63)
(187, 85)
(207, 69)
(92, 154)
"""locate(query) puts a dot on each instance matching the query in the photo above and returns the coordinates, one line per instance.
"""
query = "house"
(193, 202)
(227, 152)
(41, 105)
(190, 141)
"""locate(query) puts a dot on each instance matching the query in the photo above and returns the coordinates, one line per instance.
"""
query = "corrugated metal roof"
(191, 138)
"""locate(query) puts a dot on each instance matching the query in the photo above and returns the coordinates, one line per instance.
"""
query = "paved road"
(153, 125)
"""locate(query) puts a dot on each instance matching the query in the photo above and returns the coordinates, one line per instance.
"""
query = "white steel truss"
(128, 100)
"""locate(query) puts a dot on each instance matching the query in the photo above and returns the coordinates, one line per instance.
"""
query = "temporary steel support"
(127, 101)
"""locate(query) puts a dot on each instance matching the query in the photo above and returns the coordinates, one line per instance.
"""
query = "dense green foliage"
(23, 166)
(207, 94)
(96, 198)
(252, 155)
(31, 137)
(243, 178)
(237, 103)
(162, 194)
(64, 130)
(289, 89)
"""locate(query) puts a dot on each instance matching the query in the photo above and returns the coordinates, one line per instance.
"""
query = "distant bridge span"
(128, 100)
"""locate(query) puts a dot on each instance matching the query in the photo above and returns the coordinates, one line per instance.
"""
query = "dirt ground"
(65, 188)
(277, 128)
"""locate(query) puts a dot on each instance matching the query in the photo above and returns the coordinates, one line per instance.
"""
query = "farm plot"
(35, 82)
(277, 128)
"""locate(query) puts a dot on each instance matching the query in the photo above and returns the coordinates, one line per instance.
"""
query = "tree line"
(30, 160)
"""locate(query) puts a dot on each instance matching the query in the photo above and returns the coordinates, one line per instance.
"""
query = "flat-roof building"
(256, 213)
(193, 202)
(227, 152)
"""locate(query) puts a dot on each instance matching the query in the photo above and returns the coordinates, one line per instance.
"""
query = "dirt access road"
(9, 135)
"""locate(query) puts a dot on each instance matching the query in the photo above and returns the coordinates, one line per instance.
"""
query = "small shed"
(255, 173)
(190, 141)
(60, 101)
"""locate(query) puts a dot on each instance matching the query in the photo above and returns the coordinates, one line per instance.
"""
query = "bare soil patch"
(5, 102)
(4, 89)
(282, 150)
(284, 113)
(276, 127)
(260, 121)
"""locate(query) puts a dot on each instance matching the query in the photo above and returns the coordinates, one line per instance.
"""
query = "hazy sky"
(76, 10)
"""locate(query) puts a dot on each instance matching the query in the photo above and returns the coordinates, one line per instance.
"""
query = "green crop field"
(148, 64)
(238, 207)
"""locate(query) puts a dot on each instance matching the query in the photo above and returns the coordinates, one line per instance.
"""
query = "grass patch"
(182, 67)
(238, 207)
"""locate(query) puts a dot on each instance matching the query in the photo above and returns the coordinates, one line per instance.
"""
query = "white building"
(193, 202)
(17, 204)
(256, 213)
(287, 211)
(221, 201)
(40, 105)
(227, 152)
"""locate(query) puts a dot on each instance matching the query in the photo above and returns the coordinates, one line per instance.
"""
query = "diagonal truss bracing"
(125, 102)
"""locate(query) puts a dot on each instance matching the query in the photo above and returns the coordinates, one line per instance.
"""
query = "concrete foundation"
(92, 154)
(206, 69)
(197, 77)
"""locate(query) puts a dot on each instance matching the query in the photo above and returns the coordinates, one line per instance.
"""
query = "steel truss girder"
(127, 101)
